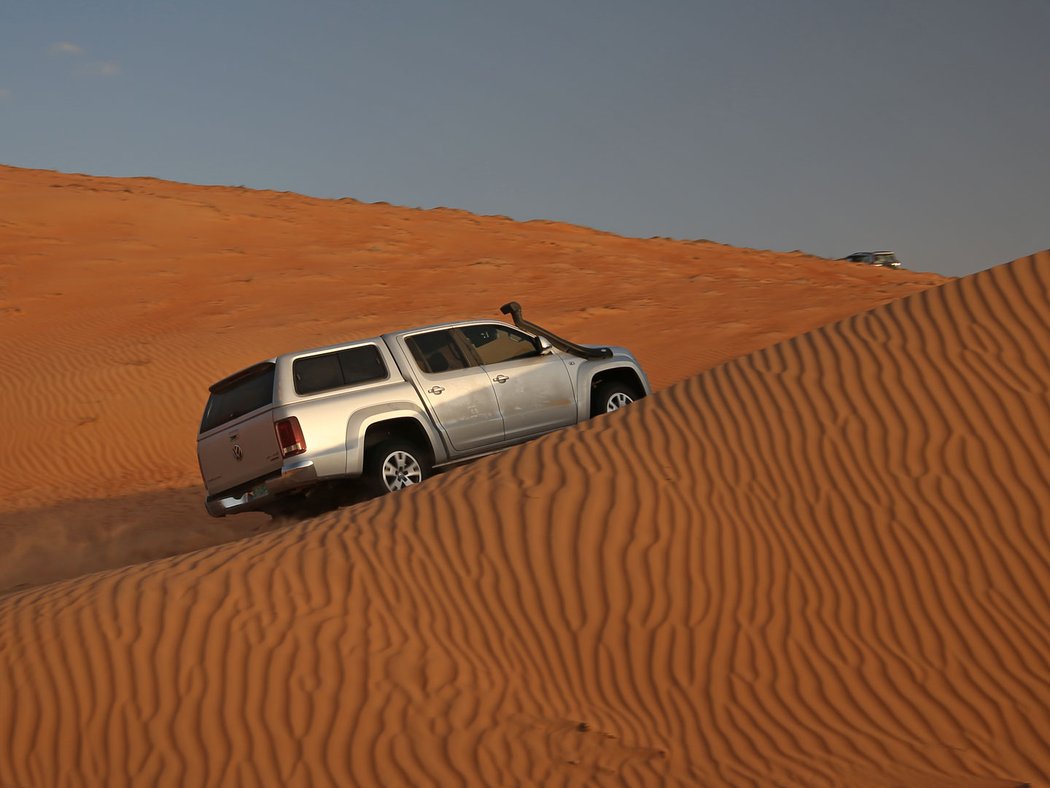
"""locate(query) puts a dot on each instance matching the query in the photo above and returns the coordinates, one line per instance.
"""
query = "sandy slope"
(121, 300)
(823, 563)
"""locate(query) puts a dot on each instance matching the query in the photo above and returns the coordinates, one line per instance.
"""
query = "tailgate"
(239, 452)
(238, 443)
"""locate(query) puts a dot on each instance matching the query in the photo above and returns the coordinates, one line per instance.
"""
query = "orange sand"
(121, 300)
(824, 563)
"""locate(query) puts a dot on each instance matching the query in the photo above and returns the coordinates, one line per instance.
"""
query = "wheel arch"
(369, 428)
(622, 374)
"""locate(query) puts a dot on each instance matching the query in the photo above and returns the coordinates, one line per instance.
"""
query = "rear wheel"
(394, 465)
(611, 395)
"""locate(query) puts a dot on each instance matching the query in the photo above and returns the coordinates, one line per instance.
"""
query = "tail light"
(290, 437)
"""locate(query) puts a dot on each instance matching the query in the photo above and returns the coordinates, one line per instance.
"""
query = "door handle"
(501, 378)
(435, 389)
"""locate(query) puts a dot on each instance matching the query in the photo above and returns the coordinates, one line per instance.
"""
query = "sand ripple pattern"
(825, 563)
(123, 299)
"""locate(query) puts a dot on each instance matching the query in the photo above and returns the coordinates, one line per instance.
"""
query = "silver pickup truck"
(389, 410)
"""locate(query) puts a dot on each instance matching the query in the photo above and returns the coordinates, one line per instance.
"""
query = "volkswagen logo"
(237, 453)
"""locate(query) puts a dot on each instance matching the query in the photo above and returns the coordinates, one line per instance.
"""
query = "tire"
(611, 395)
(395, 464)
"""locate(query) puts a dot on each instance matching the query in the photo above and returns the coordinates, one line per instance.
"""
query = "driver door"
(534, 390)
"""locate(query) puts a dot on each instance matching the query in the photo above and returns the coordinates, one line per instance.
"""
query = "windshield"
(886, 258)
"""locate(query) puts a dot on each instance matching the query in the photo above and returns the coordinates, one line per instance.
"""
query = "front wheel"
(611, 395)
(395, 465)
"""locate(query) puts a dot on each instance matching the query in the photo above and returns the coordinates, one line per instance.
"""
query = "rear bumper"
(291, 477)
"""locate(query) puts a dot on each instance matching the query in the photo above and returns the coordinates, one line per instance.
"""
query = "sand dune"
(824, 563)
(121, 300)
(124, 298)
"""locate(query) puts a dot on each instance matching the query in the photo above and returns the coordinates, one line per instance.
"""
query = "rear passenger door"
(534, 391)
(460, 395)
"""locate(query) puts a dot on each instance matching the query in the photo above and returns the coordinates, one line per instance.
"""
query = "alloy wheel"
(617, 401)
(400, 470)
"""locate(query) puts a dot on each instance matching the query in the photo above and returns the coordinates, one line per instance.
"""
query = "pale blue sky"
(830, 126)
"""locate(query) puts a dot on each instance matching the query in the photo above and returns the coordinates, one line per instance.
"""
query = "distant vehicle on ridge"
(886, 259)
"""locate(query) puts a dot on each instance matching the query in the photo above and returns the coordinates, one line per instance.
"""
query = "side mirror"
(542, 345)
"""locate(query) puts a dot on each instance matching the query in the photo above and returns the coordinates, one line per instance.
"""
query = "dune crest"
(824, 563)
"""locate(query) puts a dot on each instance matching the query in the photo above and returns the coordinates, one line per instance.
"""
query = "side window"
(361, 365)
(316, 373)
(350, 367)
(436, 351)
(495, 343)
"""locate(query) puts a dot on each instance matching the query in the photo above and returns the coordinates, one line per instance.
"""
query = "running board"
(465, 460)
(516, 442)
